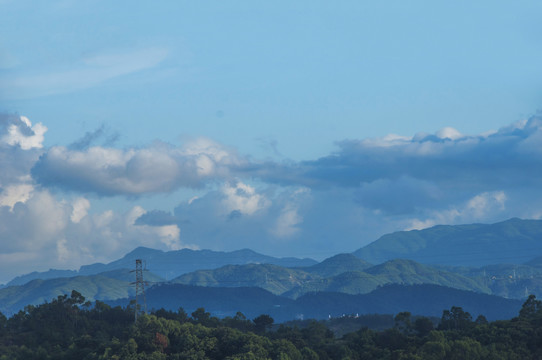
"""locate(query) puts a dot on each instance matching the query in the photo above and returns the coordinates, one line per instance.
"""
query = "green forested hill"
(405, 272)
(513, 241)
(107, 286)
(346, 277)
(273, 278)
(401, 271)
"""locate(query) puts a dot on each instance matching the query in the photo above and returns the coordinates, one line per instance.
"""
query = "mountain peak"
(142, 251)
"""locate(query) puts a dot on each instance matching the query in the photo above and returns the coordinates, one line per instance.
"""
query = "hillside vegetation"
(68, 328)
(343, 277)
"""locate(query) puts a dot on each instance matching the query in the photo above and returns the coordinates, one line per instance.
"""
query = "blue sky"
(305, 129)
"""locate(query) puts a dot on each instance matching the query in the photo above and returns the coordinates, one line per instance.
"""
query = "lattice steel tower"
(139, 288)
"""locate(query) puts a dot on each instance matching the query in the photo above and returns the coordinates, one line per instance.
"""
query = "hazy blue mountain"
(511, 241)
(170, 264)
(50, 274)
(428, 300)
(251, 301)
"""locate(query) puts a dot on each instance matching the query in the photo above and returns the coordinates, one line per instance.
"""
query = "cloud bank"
(496, 159)
(314, 208)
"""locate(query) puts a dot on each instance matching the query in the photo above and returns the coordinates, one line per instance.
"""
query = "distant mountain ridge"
(512, 241)
(170, 264)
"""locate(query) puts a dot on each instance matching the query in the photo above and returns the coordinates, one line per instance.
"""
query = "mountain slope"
(35, 292)
(110, 285)
(399, 271)
(513, 241)
(346, 277)
(273, 278)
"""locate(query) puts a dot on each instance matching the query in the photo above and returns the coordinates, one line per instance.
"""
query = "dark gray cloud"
(509, 157)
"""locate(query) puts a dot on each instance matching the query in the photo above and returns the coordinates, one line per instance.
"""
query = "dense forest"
(71, 328)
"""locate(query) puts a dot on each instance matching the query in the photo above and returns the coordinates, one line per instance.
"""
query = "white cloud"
(286, 224)
(44, 233)
(63, 254)
(449, 133)
(156, 168)
(243, 198)
(482, 207)
(386, 141)
(479, 205)
(80, 209)
(22, 133)
(289, 217)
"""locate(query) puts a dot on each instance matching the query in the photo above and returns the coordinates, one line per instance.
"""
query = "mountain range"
(409, 260)
(169, 264)
(326, 277)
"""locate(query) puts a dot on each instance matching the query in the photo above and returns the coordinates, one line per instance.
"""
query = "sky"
(304, 129)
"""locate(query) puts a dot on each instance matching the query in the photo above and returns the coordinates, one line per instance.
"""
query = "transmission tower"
(139, 288)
